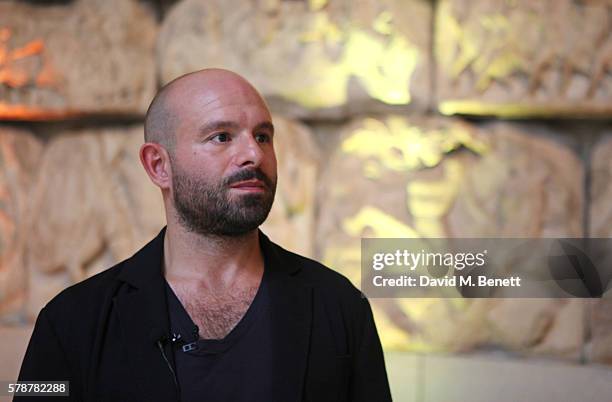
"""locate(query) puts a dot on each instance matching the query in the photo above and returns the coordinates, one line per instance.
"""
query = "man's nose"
(248, 151)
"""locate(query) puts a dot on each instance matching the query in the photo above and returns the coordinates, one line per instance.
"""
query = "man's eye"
(221, 137)
(262, 137)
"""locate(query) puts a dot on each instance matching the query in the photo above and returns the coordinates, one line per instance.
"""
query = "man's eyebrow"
(216, 125)
(266, 125)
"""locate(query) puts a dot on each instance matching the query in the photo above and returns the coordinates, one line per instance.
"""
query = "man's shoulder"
(85, 297)
(331, 289)
(320, 276)
(89, 296)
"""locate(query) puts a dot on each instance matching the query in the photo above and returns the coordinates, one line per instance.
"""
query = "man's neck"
(211, 262)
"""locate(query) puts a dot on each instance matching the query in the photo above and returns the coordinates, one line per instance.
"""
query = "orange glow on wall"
(29, 113)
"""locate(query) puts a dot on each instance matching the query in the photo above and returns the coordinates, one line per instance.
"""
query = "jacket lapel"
(143, 317)
(291, 314)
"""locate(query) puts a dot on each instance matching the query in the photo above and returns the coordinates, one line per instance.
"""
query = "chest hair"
(216, 314)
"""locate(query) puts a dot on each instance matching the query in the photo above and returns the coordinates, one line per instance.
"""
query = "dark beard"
(206, 208)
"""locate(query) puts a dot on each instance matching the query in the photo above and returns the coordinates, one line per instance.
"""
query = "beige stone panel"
(600, 224)
(600, 320)
(600, 211)
(291, 220)
(530, 186)
(77, 57)
(439, 177)
(12, 350)
(20, 154)
(308, 58)
(566, 336)
(524, 58)
(92, 206)
(544, 326)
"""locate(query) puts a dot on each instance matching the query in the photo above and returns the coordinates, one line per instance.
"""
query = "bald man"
(210, 309)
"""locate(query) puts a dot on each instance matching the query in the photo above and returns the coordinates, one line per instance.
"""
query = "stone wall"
(396, 118)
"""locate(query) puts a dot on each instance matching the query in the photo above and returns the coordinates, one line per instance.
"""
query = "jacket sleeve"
(44, 360)
(369, 378)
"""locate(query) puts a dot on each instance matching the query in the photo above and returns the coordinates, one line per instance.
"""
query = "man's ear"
(156, 162)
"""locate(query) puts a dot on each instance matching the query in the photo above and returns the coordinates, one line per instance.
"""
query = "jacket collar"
(143, 316)
(144, 267)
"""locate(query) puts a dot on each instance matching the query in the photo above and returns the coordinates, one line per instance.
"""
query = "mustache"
(248, 174)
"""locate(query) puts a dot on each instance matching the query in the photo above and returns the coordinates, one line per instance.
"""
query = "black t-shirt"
(235, 368)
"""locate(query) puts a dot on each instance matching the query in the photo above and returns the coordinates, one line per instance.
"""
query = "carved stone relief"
(308, 58)
(291, 220)
(600, 222)
(92, 206)
(20, 154)
(83, 57)
(432, 177)
(524, 58)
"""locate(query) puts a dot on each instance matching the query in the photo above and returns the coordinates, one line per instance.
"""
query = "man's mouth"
(253, 185)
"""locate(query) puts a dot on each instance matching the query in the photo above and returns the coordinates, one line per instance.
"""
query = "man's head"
(208, 146)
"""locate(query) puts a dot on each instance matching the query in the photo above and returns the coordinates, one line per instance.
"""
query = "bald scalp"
(160, 120)
(163, 115)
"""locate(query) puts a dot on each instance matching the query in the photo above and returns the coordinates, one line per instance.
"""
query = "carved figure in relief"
(548, 42)
(24, 65)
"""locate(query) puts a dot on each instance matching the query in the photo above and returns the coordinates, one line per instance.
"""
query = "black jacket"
(106, 334)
